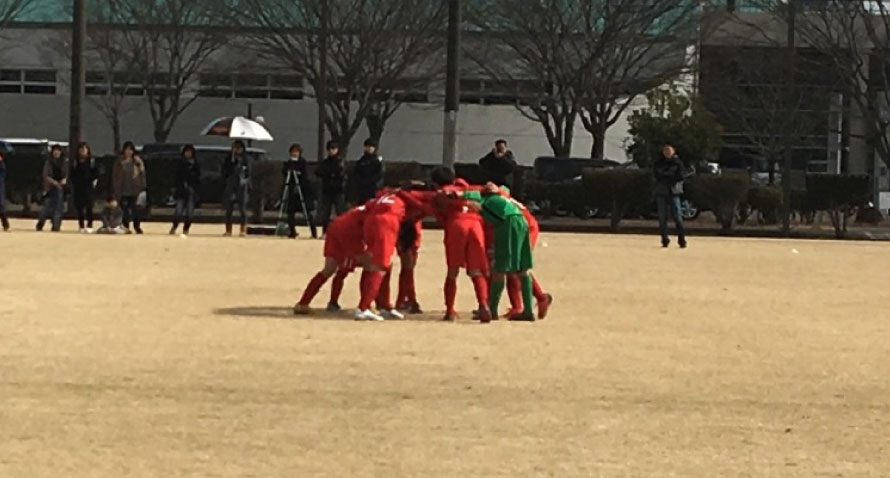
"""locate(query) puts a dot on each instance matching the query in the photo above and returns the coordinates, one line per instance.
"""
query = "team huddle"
(487, 233)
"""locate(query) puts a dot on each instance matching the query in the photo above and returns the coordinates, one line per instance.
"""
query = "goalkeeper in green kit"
(512, 246)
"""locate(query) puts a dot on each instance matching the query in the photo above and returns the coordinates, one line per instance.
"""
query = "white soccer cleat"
(183, 236)
(392, 314)
(89, 230)
(367, 315)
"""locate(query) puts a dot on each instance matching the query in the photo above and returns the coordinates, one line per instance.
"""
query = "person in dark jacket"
(4, 220)
(367, 176)
(128, 183)
(499, 164)
(55, 180)
(332, 173)
(236, 174)
(668, 172)
(294, 173)
(185, 189)
(112, 218)
(84, 177)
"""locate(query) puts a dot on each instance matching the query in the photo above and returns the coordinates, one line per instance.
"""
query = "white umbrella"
(237, 127)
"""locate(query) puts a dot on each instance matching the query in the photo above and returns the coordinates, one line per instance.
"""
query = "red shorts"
(342, 247)
(381, 236)
(465, 246)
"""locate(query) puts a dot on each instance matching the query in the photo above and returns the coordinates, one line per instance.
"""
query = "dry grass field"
(162, 357)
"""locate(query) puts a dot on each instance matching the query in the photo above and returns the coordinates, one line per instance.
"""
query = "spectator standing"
(55, 179)
(4, 220)
(129, 182)
(367, 176)
(185, 189)
(668, 172)
(84, 177)
(236, 173)
(332, 173)
(294, 173)
(499, 164)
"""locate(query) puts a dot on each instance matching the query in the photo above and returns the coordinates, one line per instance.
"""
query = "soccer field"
(157, 356)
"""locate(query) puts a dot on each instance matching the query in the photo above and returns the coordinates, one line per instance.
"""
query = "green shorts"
(512, 247)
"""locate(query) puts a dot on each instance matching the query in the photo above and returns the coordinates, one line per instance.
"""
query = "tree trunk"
(598, 148)
(116, 132)
(161, 134)
(375, 126)
(772, 172)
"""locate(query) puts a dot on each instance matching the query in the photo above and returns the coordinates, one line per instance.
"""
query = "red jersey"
(456, 211)
(344, 237)
(400, 204)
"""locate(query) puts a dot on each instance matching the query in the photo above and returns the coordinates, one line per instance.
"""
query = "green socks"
(494, 295)
(527, 295)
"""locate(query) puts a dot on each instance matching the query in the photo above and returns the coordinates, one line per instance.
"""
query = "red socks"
(450, 293)
(480, 283)
(337, 286)
(383, 299)
(540, 295)
(406, 287)
(312, 288)
(370, 286)
(514, 291)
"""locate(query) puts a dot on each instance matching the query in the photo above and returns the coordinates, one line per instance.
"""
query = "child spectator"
(112, 218)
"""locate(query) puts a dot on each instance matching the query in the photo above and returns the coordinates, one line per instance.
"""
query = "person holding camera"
(669, 176)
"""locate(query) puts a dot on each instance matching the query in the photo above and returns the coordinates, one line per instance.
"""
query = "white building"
(34, 97)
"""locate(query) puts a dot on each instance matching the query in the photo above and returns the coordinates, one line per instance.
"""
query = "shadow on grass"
(279, 312)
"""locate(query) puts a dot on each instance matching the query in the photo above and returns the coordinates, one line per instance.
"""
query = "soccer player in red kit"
(343, 247)
(464, 244)
(381, 233)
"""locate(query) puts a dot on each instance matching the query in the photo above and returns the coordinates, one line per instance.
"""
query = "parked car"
(549, 169)
(210, 158)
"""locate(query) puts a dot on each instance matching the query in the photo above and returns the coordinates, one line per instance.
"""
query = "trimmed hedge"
(618, 191)
(766, 201)
(569, 195)
(839, 195)
(721, 194)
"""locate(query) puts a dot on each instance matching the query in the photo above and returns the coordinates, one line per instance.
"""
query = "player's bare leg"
(330, 267)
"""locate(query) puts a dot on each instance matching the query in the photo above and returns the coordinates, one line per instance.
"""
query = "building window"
(121, 83)
(251, 86)
(32, 82)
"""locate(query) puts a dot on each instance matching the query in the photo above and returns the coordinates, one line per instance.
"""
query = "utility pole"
(452, 85)
(321, 86)
(78, 78)
(790, 57)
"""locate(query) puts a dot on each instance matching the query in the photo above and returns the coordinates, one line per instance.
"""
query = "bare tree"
(747, 91)
(12, 9)
(113, 69)
(535, 51)
(375, 49)
(638, 46)
(170, 42)
(855, 35)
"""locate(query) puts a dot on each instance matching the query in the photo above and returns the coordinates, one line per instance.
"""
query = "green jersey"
(496, 209)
